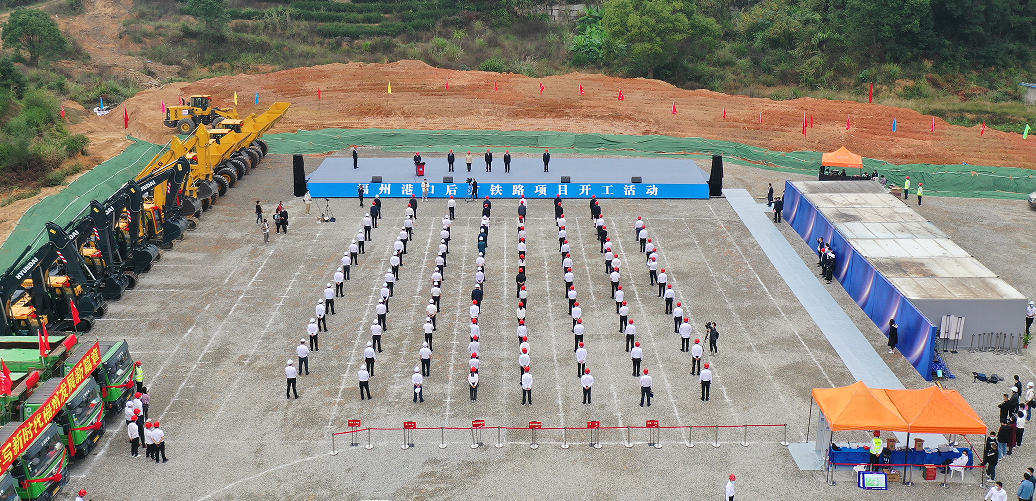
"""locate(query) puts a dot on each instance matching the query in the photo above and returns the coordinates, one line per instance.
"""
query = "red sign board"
(355, 423)
(409, 425)
(31, 428)
(652, 423)
(593, 424)
(535, 425)
(478, 423)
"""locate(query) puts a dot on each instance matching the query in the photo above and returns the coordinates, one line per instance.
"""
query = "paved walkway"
(856, 352)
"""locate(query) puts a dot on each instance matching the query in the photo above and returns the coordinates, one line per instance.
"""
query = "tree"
(894, 30)
(211, 12)
(645, 32)
(35, 32)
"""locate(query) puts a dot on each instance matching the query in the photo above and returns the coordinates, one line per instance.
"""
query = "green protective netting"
(940, 180)
(969, 181)
(99, 183)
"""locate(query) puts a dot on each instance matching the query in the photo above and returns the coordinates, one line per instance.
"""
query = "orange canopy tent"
(933, 410)
(857, 407)
(842, 158)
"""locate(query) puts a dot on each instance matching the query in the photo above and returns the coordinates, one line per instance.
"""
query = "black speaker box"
(636, 179)
(447, 179)
(566, 179)
(299, 171)
(375, 179)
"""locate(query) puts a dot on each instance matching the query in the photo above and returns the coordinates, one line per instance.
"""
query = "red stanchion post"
(408, 438)
(595, 433)
(476, 432)
(354, 426)
(652, 426)
(533, 426)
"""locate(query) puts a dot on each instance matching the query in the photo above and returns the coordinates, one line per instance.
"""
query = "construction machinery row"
(55, 392)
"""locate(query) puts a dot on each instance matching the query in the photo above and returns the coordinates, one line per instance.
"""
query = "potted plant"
(1026, 339)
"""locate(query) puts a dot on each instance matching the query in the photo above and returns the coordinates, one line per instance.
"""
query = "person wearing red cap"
(637, 225)
(134, 436)
(645, 389)
(649, 248)
(730, 484)
(562, 235)
(519, 281)
(546, 160)
(473, 383)
(663, 279)
(588, 382)
(522, 331)
(624, 315)
(677, 317)
(569, 278)
(577, 313)
(82, 495)
(620, 295)
(705, 376)
(652, 265)
(489, 160)
(507, 164)
(580, 360)
(669, 295)
(685, 337)
(631, 332)
(696, 353)
(642, 236)
(474, 362)
(636, 355)
(523, 362)
(577, 331)
(526, 385)
(450, 158)
(138, 374)
(451, 204)
(159, 437)
(614, 277)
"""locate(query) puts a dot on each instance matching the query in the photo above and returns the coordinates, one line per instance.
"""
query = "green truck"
(21, 354)
(113, 376)
(81, 416)
(42, 470)
(8, 488)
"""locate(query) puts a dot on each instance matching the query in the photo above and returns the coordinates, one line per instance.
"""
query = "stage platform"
(601, 177)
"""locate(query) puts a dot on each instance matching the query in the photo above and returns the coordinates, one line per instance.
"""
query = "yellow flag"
(390, 88)
(235, 97)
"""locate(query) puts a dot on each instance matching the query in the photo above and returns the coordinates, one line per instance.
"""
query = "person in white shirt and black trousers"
(303, 354)
(365, 384)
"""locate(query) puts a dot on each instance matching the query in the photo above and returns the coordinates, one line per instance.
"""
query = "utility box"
(420, 168)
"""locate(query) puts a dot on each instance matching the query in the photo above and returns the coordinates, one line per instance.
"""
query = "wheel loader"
(198, 110)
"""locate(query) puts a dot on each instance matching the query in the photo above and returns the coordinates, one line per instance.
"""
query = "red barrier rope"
(685, 427)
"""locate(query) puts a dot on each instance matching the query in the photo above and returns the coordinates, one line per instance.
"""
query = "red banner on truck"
(32, 427)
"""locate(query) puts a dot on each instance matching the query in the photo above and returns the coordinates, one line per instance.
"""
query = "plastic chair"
(958, 465)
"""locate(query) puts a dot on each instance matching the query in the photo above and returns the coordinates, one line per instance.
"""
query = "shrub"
(493, 64)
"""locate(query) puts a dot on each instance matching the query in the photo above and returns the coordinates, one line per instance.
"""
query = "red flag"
(803, 125)
(5, 382)
(581, 93)
(621, 97)
(496, 86)
(181, 100)
(724, 112)
(541, 88)
(125, 118)
(848, 122)
(39, 339)
(62, 111)
(447, 84)
(163, 106)
(674, 107)
(983, 131)
(933, 124)
(870, 97)
(75, 312)
(318, 93)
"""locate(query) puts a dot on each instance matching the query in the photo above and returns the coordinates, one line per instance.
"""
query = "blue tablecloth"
(859, 455)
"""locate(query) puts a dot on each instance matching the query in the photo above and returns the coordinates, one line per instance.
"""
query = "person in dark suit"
(474, 189)
(375, 211)
(476, 295)
(356, 157)
(283, 220)
(450, 158)
(507, 161)
(519, 281)
(546, 160)
(417, 158)
(413, 205)
(489, 160)
(769, 195)
(778, 206)
(359, 194)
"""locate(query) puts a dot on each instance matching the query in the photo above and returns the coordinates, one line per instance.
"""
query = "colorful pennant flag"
(581, 93)
(933, 124)
(724, 112)
(447, 84)
(62, 111)
(257, 97)
(75, 312)
(102, 102)
(870, 97)
(318, 93)
(496, 86)
(893, 125)
(1025, 133)
(125, 118)
(848, 122)
(5, 383)
(45, 349)
(803, 124)
(235, 98)
(390, 87)
(621, 97)
(163, 106)
(541, 88)
(674, 107)
(982, 132)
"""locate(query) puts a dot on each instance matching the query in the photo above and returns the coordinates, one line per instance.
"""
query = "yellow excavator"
(219, 158)
(198, 110)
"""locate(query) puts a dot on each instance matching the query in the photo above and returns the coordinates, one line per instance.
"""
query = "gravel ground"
(217, 318)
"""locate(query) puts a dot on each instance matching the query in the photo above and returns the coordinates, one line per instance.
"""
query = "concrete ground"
(218, 317)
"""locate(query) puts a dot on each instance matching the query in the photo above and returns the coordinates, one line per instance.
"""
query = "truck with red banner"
(24, 363)
(81, 419)
(42, 469)
(113, 375)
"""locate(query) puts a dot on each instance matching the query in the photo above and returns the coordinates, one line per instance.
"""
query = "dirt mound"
(355, 96)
